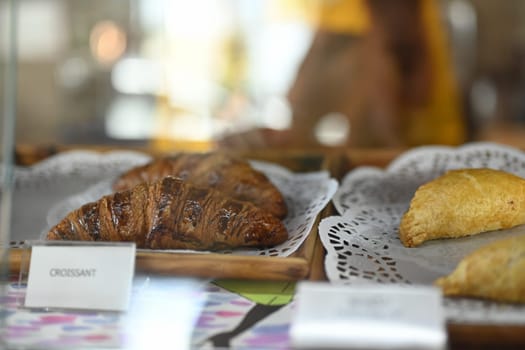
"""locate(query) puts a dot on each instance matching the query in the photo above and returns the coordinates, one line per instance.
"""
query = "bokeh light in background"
(134, 75)
(333, 129)
(156, 70)
(107, 42)
(210, 68)
(179, 73)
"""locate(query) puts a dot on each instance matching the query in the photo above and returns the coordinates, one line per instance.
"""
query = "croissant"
(493, 272)
(464, 202)
(231, 175)
(172, 214)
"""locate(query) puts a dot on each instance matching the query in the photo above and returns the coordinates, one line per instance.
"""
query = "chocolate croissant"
(495, 272)
(231, 175)
(464, 202)
(172, 214)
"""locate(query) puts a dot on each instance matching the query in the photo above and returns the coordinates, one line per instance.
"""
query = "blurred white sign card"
(82, 276)
(377, 316)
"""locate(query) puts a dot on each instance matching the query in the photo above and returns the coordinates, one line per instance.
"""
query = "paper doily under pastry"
(362, 241)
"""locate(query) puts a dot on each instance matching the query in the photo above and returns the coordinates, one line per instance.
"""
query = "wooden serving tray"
(298, 266)
(305, 263)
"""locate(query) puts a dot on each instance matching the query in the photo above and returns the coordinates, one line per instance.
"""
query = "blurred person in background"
(382, 68)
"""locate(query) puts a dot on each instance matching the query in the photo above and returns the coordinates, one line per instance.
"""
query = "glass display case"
(8, 118)
(320, 97)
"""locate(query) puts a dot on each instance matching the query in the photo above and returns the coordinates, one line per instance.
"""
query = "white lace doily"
(362, 242)
(306, 194)
(41, 186)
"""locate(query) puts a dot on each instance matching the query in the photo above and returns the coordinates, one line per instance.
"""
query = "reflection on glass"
(8, 132)
(163, 313)
(7, 144)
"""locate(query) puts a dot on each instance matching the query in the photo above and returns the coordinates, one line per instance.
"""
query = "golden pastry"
(464, 202)
(223, 172)
(172, 214)
(495, 272)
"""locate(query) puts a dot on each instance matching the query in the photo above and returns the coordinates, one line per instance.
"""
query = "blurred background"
(200, 74)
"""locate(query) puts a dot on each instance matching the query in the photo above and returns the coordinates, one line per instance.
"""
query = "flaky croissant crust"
(231, 175)
(172, 214)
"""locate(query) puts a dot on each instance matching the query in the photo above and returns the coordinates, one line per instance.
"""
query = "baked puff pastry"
(463, 202)
(495, 272)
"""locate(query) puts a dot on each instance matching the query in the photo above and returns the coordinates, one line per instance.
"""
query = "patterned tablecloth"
(164, 313)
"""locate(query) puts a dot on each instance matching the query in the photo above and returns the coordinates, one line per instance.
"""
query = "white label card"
(81, 277)
(368, 317)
